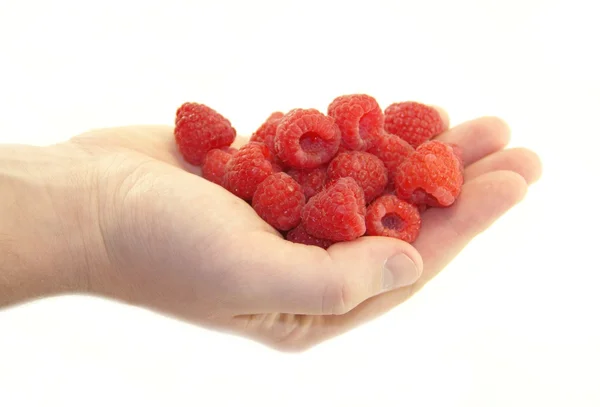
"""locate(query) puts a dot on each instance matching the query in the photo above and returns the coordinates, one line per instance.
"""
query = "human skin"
(117, 213)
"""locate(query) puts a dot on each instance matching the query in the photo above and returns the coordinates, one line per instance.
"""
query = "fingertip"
(517, 183)
(534, 164)
(374, 254)
(520, 160)
(503, 186)
(400, 271)
(495, 126)
(375, 247)
(478, 138)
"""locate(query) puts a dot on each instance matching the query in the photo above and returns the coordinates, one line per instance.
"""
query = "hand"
(170, 241)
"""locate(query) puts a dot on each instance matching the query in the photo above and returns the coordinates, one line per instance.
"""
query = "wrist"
(49, 238)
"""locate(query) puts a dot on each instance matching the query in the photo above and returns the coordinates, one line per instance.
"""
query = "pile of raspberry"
(324, 178)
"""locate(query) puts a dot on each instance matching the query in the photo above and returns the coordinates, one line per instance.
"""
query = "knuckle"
(339, 296)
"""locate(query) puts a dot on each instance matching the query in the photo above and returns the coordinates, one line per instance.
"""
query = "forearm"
(41, 251)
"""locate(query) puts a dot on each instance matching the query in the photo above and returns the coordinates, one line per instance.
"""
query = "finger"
(285, 277)
(524, 162)
(478, 138)
(444, 116)
(240, 141)
(446, 232)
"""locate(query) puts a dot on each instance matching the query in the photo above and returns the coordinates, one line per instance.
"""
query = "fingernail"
(399, 271)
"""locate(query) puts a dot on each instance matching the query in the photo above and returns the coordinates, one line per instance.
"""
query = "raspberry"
(312, 181)
(366, 169)
(392, 150)
(215, 163)
(358, 192)
(266, 132)
(337, 213)
(279, 201)
(392, 217)
(300, 235)
(199, 129)
(306, 138)
(247, 168)
(431, 175)
(186, 109)
(414, 122)
(359, 118)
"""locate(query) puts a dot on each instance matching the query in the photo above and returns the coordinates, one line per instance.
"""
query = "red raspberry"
(414, 122)
(300, 235)
(392, 217)
(306, 138)
(279, 201)
(312, 181)
(392, 150)
(247, 168)
(215, 164)
(358, 193)
(267, 129)
(337, 213)
(186, 109)
(199, 129)
(266, 135)
(366, 169)
(359, 118)
(431, 175)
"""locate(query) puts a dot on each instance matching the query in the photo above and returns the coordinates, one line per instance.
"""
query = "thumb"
(298, 279)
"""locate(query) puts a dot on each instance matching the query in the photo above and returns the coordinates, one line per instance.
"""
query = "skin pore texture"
(117, 213)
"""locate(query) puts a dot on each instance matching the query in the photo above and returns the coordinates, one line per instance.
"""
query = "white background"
(512, 322)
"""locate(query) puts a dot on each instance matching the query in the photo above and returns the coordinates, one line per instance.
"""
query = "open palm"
(208, 258)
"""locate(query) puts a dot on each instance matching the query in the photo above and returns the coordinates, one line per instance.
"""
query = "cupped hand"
(185, 247)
